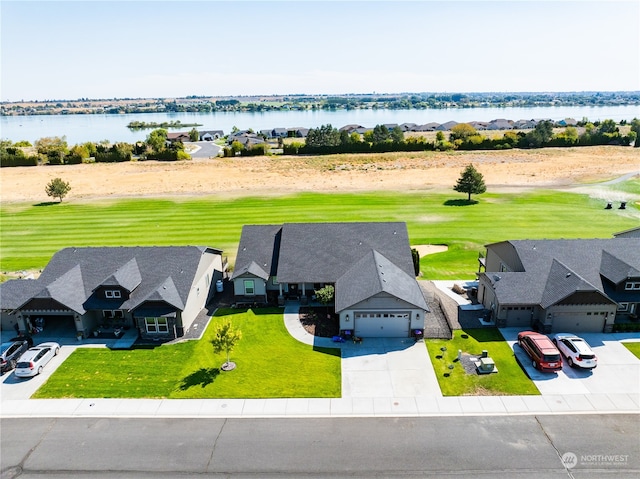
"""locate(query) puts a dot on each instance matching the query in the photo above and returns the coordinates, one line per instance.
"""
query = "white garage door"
(577, 323)
(382, 325)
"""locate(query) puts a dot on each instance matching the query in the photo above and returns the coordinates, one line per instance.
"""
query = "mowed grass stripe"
(30, 235)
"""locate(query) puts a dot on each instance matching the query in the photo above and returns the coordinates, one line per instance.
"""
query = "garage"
(518, 316)
(577, 323)
(382, 324)
(52, 325)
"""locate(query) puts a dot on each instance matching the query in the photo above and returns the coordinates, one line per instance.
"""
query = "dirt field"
(502, 170)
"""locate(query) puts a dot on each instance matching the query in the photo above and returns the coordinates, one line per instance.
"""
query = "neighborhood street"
(593, 446)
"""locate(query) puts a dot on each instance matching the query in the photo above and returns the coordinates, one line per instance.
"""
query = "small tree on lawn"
(325, 295)
(57, 188)
(471, 182)
(225, 339)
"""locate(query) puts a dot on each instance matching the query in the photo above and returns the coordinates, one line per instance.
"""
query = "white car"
(35, 359)
(576, 350)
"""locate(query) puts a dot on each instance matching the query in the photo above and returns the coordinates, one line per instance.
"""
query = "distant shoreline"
(298, 102)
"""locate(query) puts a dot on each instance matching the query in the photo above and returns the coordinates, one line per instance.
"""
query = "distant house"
(351, 128)
(369, 264)
(567, 122)
(246, 139)
(525, 124)
(297, 132)
(478, 125)
(500, 124)
(279, 133)
(446, 126)
(408, 127)
(157, 290)
(427, 127)
(211, 135)
(179, 136)
(562, 285)
(390, 126)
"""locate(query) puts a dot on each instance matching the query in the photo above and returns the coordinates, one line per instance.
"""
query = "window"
(111, 314)
(112, 293)
(632, 285)
(163, 325)
(622, 307)
(156, 325)
(249, 289)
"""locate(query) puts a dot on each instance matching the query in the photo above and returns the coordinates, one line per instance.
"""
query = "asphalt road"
(208, 149)
(451, 447)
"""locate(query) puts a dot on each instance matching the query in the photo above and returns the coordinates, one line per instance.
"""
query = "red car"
(543, 353)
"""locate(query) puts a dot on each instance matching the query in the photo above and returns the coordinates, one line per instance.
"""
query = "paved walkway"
(384, 378)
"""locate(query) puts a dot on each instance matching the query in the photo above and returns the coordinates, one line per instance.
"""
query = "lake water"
(82, 128)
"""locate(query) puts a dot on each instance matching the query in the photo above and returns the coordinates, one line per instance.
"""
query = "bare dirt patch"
(512, 170)
(425, 249)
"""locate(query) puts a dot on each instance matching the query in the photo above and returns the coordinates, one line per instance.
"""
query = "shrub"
(11, 156)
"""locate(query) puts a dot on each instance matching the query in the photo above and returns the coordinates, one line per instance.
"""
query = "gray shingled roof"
(553, 269)
(127, 276)
(630, 233)
(258, 250)
(322, 252)
(374, 274)
(73, 274)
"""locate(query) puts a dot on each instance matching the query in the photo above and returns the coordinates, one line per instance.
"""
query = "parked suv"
(544, 355)
(576, 350)
(10, 352)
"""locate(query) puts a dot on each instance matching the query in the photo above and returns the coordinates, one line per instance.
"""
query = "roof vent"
(496, 277)
(568, 274)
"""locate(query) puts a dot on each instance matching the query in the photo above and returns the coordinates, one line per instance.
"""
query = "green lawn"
(634, 348)
(31, 234)
(509, 380)
(270, 364)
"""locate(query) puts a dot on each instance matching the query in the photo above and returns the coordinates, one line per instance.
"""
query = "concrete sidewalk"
(418, 406)
(380, 378)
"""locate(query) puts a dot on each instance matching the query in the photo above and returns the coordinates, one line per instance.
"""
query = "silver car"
(576, 350)
(33, 361)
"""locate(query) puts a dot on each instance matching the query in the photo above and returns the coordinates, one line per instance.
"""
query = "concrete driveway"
(387, 368)
(13, 388)
(618, 369)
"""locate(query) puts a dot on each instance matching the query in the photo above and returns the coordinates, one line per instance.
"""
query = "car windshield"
(23, 365)
(587, 356)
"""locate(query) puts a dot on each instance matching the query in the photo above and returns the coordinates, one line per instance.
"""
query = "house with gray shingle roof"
(210, 135)
(369, 264)
(630, 233)
(582, 285)
(157, 290)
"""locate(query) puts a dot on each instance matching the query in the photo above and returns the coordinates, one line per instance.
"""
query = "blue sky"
(117, 49)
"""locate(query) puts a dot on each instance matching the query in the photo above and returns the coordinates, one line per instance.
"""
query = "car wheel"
(40, 370)
(12, 364)
(55, 353)
(570, 361)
